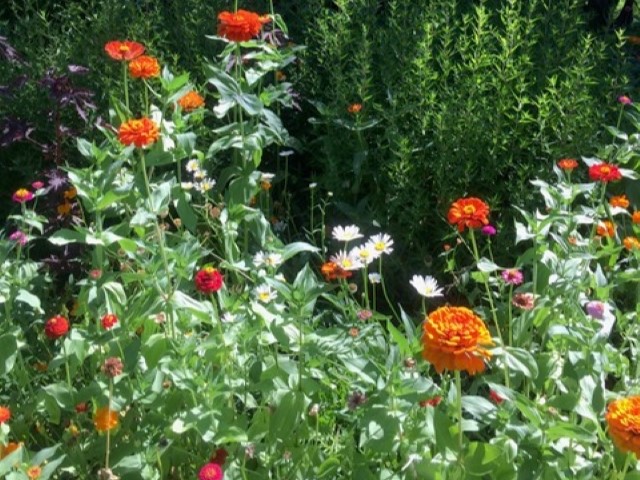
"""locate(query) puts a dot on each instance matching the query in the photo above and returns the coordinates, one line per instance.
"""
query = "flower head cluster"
(144, 67)
(240, 26)
(56, 327)
(454, 339)
(358, 257)
(623, 418)
(139, 132)
(124, 51)
(468, 212)
(191, 101)
(200, 182)
(208, 280)
(604, 172)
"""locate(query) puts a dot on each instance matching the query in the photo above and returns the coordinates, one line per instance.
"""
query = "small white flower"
(199, 174)
(228, 317)
(381, 243)
(267, 259)
(313, 185)
(375, 278)
(193, 166)
(265, 294)
(346, 234)
(205, 185)
(267, 177)
(346, 261)
(426, 286)
(187, 185)
(365, 253)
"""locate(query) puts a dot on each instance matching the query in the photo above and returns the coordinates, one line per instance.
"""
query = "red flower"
(354, 108)
(82, 407)
(567, 164)
(139, 132)
(5, 414)
(123, 50)
(208, 280)
(241, 26)
(468, 212)
(144, 67)
(219, 457)
(332, 271)
(431, 402)
(604, 172)
(211, 471)
(495, 396)
(56, 327)
(108, 321)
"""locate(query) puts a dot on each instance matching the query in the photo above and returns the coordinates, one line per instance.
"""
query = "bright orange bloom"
(190, 101)
(332, 271)
(144, 67)
(635, 218)
(623, 418)
(8, 449)
(138, 132)
(606, 229)
(5, 414)
(64, 209)
(631, 242)
(354, 108)
(619, 201)
(453, 339)
(604, 172)
(34, 472)
(123, 50)
(240, 26)
(567, 164)
(468, 212)
(105, 419)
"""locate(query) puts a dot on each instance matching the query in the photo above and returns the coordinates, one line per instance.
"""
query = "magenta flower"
(211, 471)
(19, 237)
(595, 309)
(22, 195)
(37, 185)
(489, 230)
(512, 276)
(624, 100)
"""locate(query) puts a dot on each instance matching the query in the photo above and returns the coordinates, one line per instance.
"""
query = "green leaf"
(521, 360)
(65, 236)
(287, 415)
(487, 266)
(8, 353)
(297, 247)
(399, 339)
(110, 198)
(482, 458)
(30, 299)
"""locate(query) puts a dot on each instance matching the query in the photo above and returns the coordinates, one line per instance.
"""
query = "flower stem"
(126, 85)
(627, 462)
(108, 449)
(384, 291)
(459, 412)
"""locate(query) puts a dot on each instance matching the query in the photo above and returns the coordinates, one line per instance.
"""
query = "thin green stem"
(384, 291)
(510, 319)
(126, 85)
(459, 412)
(108, 449)
(627, 462)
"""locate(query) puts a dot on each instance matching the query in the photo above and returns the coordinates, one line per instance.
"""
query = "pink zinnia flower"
(211, 471)
(512, 276)
(524, 300)
(489, 230)
(364, 315)
(595, 309)
(37, 185)
(22, 195)
(624, 100)
(19, 237)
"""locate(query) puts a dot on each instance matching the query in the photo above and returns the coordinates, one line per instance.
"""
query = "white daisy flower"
(267, 259)
(205, 185)
(381, 243)
(426, 286)
(265, 294)
(267, 177)
(365, 253)
(375, 278)
(346, 234)
(346, 261)
(193, 166)
(199, 174)
(313, 185)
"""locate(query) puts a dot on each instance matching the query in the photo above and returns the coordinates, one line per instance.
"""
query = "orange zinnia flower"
(606, 229)
(619, 201)
(468, 212)
(34, 473)
(332, 271)
(138, 132)
(5, 414)
(8, 449)
(635, 218)
(144, 67)
(191, 101)
(105, 419)
(124, 50)
(354, 108)
(631, 242)
(623, 418)
(604, 172)
(453, 339)
(567, 164)
(240, 26)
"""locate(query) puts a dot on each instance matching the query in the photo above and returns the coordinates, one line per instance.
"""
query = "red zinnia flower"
(604, 172)
(108, 321)
(138, 132)
(5, 414)
(211, 471)
(240, 26)
(468, 212)
(82, 407)
(56, 327)
(431, 402)
(208, 280)
(123, 50)
(144, 67)
(191, 101)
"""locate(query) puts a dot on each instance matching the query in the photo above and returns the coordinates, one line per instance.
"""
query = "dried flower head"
(112, 367)
(356, 399)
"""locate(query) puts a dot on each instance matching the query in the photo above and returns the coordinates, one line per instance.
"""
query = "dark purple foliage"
(64, 93)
